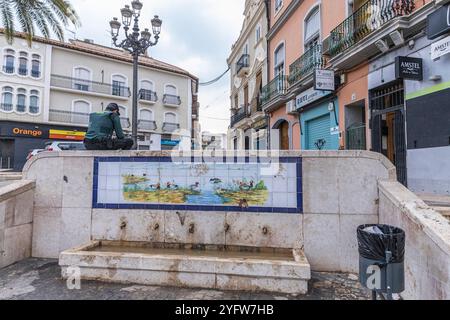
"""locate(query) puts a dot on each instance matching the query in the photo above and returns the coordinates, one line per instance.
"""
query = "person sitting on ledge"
(101, 128)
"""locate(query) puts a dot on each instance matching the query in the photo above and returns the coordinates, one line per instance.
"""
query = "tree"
(43, 16)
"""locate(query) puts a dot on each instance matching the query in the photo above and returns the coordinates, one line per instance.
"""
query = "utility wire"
(204, 84)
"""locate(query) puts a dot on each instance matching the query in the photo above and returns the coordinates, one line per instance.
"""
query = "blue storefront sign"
(170, 143)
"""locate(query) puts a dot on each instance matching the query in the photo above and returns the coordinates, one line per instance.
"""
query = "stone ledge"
(16, 188)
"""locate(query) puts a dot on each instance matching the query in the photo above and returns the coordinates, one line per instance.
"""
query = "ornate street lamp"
(136, 43)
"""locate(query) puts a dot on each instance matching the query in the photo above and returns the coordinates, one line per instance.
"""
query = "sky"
(196, 35)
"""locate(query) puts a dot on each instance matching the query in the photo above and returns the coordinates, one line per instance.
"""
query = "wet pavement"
(39, 279)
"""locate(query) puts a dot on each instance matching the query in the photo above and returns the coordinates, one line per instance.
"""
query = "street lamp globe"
(146, 35)
(126, 15)
(137, 7)
(156, 25)
(115, 26)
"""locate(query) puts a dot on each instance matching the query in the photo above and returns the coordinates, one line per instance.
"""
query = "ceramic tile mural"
(149, 183)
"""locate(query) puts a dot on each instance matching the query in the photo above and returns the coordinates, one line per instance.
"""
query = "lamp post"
(136, 43)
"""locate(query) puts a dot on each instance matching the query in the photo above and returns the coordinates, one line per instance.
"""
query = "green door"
(318, 134)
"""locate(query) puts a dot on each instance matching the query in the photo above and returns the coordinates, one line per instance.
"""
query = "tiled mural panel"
(160, 183)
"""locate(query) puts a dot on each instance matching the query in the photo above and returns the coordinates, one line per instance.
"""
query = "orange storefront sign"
(67, 135)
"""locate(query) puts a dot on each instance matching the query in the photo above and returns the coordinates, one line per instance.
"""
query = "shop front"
(17, 139)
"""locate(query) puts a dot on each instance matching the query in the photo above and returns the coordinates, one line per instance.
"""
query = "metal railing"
(23, 71)
(274, 88)
(171, 99)
(35, 73)
(170, 127)
(240, 114)
(89, 86)
(8, 69)
(125, 122)
(356, 137)
(6, 106)
(243, 62)
(6, 162)
(21, 108)
(147, 125)
(304, 65)
(68, 117)
(371, 16)
(148, 95)
(34, 110)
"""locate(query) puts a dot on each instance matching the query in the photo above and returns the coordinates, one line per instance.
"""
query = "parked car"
(64, 146)
(34, 152)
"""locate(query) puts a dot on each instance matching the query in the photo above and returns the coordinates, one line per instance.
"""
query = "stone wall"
(427, 257)
(340, 192)
(16, 217)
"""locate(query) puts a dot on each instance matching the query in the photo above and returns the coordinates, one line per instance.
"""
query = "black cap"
(113, 107)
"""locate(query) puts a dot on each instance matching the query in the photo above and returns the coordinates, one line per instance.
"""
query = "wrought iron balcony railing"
(35, 73)
(170, 127)
(243, 62)
(147, 125)
(23, 71)
(240, 114)
(68, 117)
(8, 69)
(274, 88)
(148, 95)
(6, 106)
(125, 122)
(304, 65)
(370, 17)
(172, 100)
(89, 86)
(21, 108)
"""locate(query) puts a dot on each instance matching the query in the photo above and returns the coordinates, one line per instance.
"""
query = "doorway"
(387, 105)
(6, 154)
(284, 135)
(355, 126)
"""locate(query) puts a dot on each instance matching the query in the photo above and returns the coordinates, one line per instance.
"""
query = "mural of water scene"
(167, 185)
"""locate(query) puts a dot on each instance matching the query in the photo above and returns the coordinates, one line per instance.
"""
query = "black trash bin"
(381, 258)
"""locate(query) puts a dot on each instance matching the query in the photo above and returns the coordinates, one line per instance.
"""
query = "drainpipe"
(267, 5)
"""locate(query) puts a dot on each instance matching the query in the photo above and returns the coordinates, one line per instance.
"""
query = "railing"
(6, 106)
(170, 127)
(371, 16)
(147, 125)
(35, 73)
(310, 60)
(89, 86)
(21, 108)
(125, 122)
(6, 162)
(243, 62)
(356, 137)
(68, 117)
(23, 71)
(34, 110)
(171, 100)
(240, 114)
(274, 88)
(8, 69)
(148, 95)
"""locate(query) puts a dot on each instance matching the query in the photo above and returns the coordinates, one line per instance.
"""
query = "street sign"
(440, 48)
(324, 80)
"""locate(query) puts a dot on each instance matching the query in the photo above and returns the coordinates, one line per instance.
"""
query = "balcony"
(68, 117)
(35, 73)
(8, 69)
(6, 107)
(125, 122)
(147, 125)
(21, 108)
(171, 100)
(372, 16)
(306, 64)
(170, 127)
(243, 65)
(89, 86)
(148, 96)
(240, 115)
(274, 89)
(23, 71)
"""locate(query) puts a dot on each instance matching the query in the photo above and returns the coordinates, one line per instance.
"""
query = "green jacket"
(103, 124)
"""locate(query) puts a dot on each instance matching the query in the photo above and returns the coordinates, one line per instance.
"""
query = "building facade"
(52, 87)
(248, 65)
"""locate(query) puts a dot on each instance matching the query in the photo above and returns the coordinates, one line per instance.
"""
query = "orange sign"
(67, 135)
(27, 132)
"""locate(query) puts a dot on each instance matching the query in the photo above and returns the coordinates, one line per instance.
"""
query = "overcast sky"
(196, 35)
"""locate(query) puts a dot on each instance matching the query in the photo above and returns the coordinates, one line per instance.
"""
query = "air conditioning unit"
(326, 44)
(291, 106)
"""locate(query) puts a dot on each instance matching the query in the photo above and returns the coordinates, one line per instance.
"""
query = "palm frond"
(25, 20)
(7, 18)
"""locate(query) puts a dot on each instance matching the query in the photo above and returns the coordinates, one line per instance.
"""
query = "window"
(36, 66)
(8, 66)
(171, 90)
(147, 91)
(21, 100)
(7, 99)
(82, 79)
(170, 117)
(171, 96)
(119, 86)
(146, 115)
(124, 117)
(147, 85)
(258, 33)
(279, 60)
(81, 110)
(23, 64)
(312, 29)
(34, 102)
(278, 4)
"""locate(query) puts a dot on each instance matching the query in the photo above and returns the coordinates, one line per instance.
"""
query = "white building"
(53, 86)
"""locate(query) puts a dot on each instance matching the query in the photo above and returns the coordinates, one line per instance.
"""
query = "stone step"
(285, 271)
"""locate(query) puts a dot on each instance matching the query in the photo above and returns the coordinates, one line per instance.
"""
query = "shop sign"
(440, 48)
(438, 23)
(67, 135)
(324, 80)
(409, 68)
(27, 132)
(171, 143)
(309, 96)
